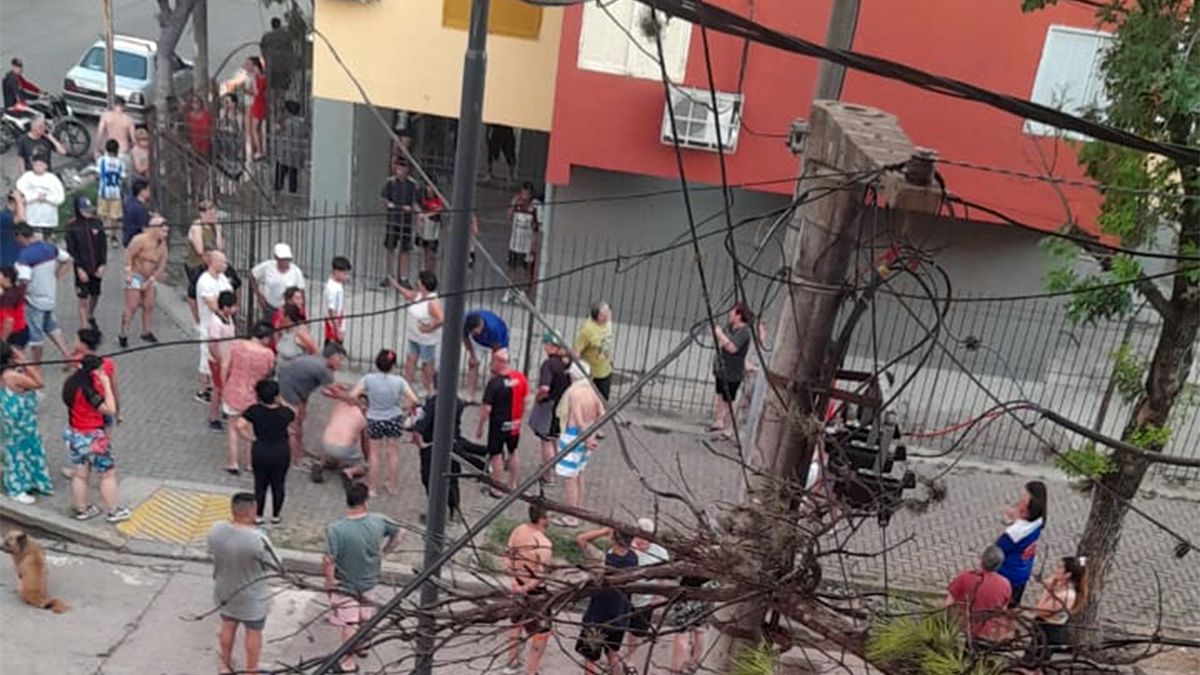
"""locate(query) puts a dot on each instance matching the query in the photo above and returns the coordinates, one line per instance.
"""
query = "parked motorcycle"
(61, 121)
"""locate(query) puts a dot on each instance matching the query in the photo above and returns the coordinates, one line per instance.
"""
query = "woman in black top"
(266, 424)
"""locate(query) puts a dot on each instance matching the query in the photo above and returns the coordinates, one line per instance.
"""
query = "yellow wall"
(406, 59)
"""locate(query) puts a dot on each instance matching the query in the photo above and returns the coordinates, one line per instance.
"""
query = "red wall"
(613, 122)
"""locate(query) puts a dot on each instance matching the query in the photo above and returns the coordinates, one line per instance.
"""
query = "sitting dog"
(30, 563)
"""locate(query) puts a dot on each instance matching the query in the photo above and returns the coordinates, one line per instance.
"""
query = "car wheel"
(75, 137)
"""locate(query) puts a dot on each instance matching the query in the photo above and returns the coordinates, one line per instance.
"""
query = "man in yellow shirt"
(593, 344)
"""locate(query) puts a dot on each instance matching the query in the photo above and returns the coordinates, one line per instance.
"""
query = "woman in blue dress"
(24, 459)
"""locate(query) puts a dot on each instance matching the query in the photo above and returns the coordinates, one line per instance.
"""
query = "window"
(696, 122)
(133, 66)
(1068, 76)
(612, 41)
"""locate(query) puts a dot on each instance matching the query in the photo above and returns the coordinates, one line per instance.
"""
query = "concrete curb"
(306, 563)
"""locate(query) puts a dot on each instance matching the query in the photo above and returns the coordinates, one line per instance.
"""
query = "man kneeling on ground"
(342, 440)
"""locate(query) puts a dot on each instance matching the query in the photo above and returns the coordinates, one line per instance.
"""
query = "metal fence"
(1025, 349)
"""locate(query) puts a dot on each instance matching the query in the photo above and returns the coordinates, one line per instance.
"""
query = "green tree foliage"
(1151, 74)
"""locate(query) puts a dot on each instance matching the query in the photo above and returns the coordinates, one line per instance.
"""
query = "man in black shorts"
(729, 366)
(88, 247)
(402, 195)
(607, 615)
(503, 406)
(501, 140)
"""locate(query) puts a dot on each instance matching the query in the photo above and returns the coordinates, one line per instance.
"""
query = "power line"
(1062, 180)
(730, 23)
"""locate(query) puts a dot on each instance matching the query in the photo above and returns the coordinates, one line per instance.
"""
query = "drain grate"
(175, 515)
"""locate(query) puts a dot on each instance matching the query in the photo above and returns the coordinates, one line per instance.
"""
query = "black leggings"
(473, 453)
(273, 475)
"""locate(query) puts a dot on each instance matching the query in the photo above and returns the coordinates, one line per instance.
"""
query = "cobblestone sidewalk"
(164, 437)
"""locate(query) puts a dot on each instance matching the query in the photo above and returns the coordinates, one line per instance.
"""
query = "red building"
(608, 129)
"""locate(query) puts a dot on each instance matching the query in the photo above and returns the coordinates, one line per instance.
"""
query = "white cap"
(283, 251)
(645, 524)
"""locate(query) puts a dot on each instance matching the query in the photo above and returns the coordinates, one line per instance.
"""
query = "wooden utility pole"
(842, 138)
(109, 57)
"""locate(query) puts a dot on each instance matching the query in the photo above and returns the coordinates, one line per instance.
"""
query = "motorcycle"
(63, 125)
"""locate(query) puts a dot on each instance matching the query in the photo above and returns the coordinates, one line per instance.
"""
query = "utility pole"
(111, 85)
(466, 159)
(839, 34)
(200, 77)
(841, 139)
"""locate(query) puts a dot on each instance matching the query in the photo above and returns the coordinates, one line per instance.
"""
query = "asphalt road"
(51, 36)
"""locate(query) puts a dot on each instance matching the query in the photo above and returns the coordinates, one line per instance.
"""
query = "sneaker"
(118, 514)
(275, 520)
(258, 520)
(149, 337)
(512, 669)
(23, 498)
(202, 397)
(216, 426)
(88, 513)
(123, 341)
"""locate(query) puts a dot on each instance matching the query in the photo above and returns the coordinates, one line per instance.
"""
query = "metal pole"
(111, 86)
(466, 159)
(200, 77)
(843, 19)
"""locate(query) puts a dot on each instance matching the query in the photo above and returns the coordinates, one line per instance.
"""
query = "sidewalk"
(164, 438)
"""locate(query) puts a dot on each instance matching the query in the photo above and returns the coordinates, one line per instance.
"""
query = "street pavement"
(164, 438)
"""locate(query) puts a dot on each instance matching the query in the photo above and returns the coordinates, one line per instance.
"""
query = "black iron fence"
(990, 350)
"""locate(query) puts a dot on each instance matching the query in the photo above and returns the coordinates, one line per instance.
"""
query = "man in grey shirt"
(243, 560)
(729, 365)
(299, 379)
(354, 550)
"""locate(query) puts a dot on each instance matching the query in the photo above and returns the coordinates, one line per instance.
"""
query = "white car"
(86, 84)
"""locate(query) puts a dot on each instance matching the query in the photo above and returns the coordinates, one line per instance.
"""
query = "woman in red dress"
(256, 86)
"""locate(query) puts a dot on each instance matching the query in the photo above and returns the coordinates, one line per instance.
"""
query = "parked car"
(86, 84)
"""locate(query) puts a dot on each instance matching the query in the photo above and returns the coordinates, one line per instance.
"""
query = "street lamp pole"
(466, 159)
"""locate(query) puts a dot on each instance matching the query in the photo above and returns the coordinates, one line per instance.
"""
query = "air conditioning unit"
(696, 120)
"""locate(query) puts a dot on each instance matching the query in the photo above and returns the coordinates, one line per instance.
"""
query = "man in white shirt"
(43, 193)
(208, 288)
(270, 278)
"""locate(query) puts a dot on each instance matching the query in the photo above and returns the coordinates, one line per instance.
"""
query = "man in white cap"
(270, 278)
(641, 624)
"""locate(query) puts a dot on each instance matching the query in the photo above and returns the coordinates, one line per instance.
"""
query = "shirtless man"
(342, 438)
(145, 262)
(526, 560)
(116, 124)
(578, 409)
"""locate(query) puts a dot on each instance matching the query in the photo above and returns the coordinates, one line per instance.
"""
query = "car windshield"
(133, 66)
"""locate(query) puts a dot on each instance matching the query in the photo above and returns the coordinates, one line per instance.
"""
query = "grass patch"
(562, 542)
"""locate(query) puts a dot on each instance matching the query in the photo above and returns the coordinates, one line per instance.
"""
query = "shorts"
(554, 432)
(502, 442)
(398, 234)
(393, 428)
(597, 639)
(109, 209)
(346, 610)
(533, 621)
(256, 624)
(344, 455)
(91, 448)
(430, 244)
(687, 614)
(576, 460)
(193, 275)
(641, 623)
(137, 282)
(39, 323)
(87, 289)
(229, 412)
(18, 338)
(727, 390)
(604, 386)
(425, 353)
(520, 260)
